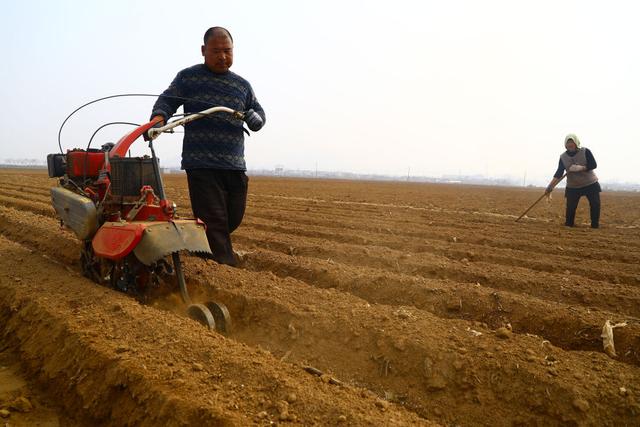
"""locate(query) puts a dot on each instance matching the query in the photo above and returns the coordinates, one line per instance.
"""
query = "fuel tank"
(76, 212)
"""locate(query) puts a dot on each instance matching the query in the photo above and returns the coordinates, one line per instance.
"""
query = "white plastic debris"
(474, 332)
(607, 337)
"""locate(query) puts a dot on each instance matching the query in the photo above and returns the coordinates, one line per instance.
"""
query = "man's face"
(218, 53)
(571, 146)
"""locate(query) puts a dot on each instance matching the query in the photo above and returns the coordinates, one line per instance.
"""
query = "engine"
(95, 188)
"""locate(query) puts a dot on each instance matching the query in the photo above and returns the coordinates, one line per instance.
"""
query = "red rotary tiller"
(130, 232)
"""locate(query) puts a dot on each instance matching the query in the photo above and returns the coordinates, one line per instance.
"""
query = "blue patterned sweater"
(217, 141)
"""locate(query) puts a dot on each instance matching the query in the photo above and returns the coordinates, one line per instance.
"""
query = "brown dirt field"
(401, 291)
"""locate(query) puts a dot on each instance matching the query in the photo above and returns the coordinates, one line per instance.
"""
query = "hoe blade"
(164, 238)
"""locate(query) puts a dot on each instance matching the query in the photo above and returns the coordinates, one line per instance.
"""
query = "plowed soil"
(418, 304)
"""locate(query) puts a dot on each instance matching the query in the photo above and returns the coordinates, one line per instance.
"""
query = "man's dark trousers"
(219, 198)
(573, 197)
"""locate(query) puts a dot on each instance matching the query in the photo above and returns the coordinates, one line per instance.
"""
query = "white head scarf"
(572, 137)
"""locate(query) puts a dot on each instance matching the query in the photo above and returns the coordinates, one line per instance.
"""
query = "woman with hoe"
(581, 180)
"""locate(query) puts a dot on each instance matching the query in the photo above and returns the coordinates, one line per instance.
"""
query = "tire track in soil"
(573, 328)
(621, 298)
(110, 361)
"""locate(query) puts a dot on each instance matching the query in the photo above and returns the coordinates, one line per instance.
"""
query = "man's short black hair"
(211, 31)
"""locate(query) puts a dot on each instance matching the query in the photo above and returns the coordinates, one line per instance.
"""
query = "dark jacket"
(215, 142)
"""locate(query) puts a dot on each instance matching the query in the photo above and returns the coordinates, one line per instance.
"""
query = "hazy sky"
(473, 87)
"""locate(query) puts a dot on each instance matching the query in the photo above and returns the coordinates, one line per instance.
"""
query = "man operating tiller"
(213, 147)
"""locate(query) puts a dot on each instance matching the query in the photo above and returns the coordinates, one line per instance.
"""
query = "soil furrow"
(478, 219)
(557, 288)
(30, 185)
(40, 232)
(616, 272)
(486, 235)
(416, 370)
(28, 205)
(41, 198)
(432, 365)
(424, 301)
(111, 361)
(566, 326)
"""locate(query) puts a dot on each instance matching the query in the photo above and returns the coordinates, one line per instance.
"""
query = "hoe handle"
(537, 201)
(531, 207)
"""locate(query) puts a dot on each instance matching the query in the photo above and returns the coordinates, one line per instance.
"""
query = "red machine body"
(127, 196)
(94, 164)
(130, 232)
(116, 240)
(121, 148)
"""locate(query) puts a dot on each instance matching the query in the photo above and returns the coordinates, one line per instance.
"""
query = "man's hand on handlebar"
(159, 124)
(253, 120)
